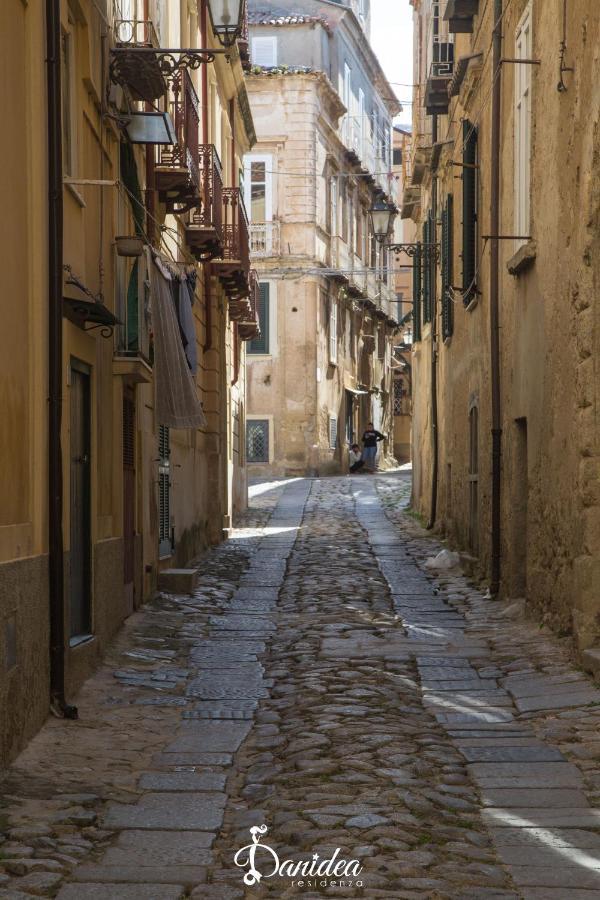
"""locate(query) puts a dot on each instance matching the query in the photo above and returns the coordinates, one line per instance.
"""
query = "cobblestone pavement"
(321, 681)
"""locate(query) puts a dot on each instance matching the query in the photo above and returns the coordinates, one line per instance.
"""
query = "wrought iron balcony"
(248, 324)
(233, 265)
(204, 225)
(177, 170)
(264, 239)
(140, 72)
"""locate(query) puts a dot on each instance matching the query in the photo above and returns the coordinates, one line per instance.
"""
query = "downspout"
(55, 369)
(204, 97)
(432, 263)
(494, 299)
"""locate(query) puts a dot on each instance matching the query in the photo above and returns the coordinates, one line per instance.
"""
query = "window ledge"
(523, 258)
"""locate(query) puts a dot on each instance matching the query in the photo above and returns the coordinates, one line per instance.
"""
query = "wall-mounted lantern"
(227, 18)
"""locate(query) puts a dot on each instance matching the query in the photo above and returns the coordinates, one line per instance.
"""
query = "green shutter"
(447, 268)
(469, 223)
(417, 294)
(261, 344)
(428, 267)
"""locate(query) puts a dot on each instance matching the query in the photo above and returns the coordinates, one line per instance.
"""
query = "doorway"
(520, 484)
(473, 480)
(129, 497)
(80, 503)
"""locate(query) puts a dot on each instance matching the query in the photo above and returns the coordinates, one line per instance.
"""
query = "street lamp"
(382, 215)
(227, 20)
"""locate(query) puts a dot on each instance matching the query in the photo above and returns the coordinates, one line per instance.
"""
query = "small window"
(258, 190)
(264, 52)
(257, 441)
(333, 431)
(333, 312)
(261, 344)
(397, 156)
(398, 397)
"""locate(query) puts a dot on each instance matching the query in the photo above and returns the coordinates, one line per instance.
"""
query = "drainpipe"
(204, 98)
(55, 370)
(494, 299)
(432, 263)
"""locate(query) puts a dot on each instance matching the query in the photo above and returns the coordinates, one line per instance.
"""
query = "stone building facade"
(102, 490)
(322, 111)
(404, 233)
(547, 241)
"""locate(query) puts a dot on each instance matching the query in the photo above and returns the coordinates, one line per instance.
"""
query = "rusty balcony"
(233, 265)
(204, 225)
(177, 169)
(248, 324)
(440, 75)
(459, 14)
(139, 72)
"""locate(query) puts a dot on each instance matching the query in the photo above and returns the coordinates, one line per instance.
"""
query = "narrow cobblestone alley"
(323, 683)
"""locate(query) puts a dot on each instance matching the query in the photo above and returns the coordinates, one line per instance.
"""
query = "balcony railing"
(248, 324)
(236, 233)
(139, 72)
(178, 165)
(233, 265)
(204, 226)
(264, 239)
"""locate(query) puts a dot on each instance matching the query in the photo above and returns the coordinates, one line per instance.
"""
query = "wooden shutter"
(417, 294)
(264, 52)
(333, 423)
(469, 223)
(447, 266)
(261, 344)
(427, 285)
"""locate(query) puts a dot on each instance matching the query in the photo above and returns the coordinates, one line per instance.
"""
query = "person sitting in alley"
(370, 439)
(356, 460)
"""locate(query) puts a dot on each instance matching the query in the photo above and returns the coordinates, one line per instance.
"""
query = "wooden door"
(80, 502)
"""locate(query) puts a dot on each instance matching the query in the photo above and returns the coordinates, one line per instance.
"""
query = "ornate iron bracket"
(169, 60)
(426, 250)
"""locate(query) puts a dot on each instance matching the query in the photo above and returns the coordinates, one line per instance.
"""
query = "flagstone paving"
(321, 683)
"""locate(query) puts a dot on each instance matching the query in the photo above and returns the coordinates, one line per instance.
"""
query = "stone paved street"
(320, 681)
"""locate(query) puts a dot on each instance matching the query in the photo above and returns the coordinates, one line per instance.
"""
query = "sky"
(391, 38)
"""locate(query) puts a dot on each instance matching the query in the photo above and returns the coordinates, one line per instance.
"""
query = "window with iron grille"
(333, 429)
(261, 345)
(469, 223)
(164, 492)
(257, 440)
(447, 268)
(399, 393)
(417, 276)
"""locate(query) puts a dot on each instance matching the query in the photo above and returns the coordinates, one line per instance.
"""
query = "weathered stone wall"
(549, 329)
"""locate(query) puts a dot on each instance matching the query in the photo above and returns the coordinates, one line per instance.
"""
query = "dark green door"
(80, 507)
